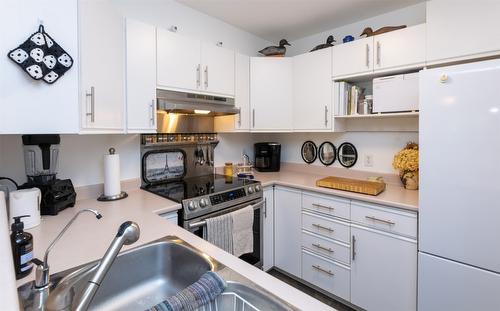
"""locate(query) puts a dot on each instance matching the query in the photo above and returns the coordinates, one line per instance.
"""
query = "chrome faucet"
(128, 233)
(42, 275)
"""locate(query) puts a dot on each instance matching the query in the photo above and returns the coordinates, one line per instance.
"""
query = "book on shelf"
(347, 97)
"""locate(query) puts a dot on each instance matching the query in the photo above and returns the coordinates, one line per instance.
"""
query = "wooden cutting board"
(352, 185)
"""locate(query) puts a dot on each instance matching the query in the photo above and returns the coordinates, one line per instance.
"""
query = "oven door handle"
(204, 222)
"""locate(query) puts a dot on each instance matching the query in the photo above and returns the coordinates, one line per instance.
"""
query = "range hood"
(195, 104)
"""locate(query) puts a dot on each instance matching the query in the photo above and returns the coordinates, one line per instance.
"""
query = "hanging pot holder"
(41, 57)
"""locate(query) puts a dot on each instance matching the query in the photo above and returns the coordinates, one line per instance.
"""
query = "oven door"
(196, 227)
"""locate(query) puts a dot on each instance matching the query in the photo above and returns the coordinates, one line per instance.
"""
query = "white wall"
(412, 15)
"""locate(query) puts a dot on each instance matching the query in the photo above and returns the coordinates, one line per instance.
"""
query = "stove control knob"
(191, 206)
(257, 188)
(251, 190)
(203, 202)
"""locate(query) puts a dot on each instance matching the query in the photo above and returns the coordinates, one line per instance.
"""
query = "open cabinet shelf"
(411, 114)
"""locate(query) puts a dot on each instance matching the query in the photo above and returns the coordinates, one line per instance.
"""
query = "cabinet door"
(401, 48)
(287, 230)
(268, 229)
(241, 121)
(178, 61)
(34, 107)
(383, 271)
(312, 91)
(102, 74)
(271, 94)
(448, 22)
(353, 58)
(141, 77)
(218, 69)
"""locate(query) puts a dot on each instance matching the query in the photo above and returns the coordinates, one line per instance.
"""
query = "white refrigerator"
(459, 213)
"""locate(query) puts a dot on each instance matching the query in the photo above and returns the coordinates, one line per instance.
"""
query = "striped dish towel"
(219, 232)
(198, 294)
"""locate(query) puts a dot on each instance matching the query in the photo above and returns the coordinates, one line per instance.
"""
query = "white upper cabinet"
(312, 91)
(186, 64)
(271, 94)
(102, 70)
(353, 58)
(401, 48)
(141, 77)
(35, 107)
(462, 29)
(218, 69)
(241, 121)
(383, 271)
(178, 61)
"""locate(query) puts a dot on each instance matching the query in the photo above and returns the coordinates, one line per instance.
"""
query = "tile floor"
(311, 292)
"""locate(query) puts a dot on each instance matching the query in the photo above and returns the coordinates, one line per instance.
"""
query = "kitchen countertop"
(88, 238)
(394, 195)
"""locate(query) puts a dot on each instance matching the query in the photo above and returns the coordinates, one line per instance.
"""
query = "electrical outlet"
(368, 161)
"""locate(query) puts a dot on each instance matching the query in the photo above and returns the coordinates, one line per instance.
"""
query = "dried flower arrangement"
(406, 161)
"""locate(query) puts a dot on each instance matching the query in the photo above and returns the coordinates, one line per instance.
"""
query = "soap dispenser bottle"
(22, 248)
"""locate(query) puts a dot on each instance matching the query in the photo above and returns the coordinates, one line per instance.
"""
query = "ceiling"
(293, 19)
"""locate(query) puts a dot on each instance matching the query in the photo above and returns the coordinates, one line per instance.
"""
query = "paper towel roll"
(112, 174)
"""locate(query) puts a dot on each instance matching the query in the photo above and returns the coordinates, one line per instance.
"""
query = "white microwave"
(395, 93)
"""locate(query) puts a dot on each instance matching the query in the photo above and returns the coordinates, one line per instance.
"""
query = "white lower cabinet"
(287, 231)
(268, 229)
(325, 274)
(383, 270)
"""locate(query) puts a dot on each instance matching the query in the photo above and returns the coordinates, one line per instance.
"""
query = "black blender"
(41, 155)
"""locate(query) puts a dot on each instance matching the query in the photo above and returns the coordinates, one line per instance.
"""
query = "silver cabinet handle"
(368, 55)
(92, 104)
(326, 116)
(265, 208)
(152, 106)
(323, 206)
(318, 267)
(323, 248)
(239, 119)
(206, 77)
(353, 248)
(198, 75)
(388, 222)
(253, 117)
(323, 227)
(378, 53)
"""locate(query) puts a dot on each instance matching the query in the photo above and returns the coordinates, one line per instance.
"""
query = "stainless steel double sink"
(144, 276)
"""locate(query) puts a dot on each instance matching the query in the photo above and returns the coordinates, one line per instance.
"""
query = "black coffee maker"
(41, 155)
(267, 157)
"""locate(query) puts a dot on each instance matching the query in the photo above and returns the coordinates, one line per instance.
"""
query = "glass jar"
(228, 169)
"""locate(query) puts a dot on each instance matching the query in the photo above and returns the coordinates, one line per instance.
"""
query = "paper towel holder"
(121, 195)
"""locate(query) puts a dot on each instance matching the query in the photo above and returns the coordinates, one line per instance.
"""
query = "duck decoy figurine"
(329, 43)
(275, 50)
(368, 31)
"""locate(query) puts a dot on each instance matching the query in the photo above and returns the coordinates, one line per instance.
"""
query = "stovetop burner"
(193, 187)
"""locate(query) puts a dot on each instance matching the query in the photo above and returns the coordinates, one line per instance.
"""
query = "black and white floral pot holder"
(41, 57)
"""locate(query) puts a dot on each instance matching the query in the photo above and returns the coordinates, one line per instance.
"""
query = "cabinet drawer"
(327, 275)
(384, 218)
(326, 205)
(328, 248)
(330, 228)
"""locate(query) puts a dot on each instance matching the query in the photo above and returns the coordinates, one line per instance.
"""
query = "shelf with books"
(409, 114)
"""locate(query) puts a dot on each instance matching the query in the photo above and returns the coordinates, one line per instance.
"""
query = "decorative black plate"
(327, 153)
(309, 152)
(348, 155)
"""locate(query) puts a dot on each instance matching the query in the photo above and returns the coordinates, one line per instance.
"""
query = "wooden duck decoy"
(275, 50)
(329, 43)
(368, 31)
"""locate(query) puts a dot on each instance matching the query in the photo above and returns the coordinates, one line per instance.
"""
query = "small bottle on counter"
(22, 248)
(228, 169)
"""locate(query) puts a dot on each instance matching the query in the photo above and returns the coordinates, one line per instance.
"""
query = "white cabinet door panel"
(271, 94)
(287, 225)
(102, 70)
(178, 61)
(353, 58)
(401, 48)
(383, 271)
(312, 91)
(218, 69)
(141, 77)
